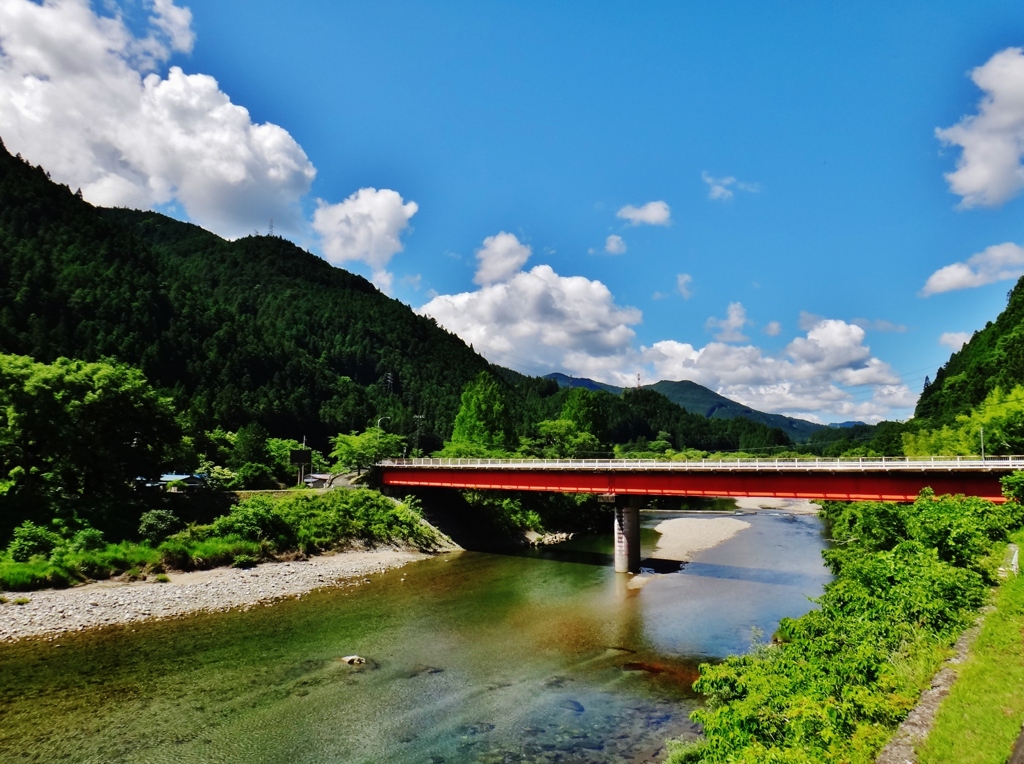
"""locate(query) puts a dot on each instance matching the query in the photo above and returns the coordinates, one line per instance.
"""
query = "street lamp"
(378, 430)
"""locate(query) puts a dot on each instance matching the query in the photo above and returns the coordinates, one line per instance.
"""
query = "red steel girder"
(839, 486)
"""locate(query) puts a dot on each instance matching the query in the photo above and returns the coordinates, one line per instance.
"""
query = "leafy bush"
(908, 579)
(157, 524)
(87, 540)
(30, 540)
(255, 519)
(253, 476)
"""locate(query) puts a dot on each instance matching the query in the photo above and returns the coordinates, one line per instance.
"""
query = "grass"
(980, 719)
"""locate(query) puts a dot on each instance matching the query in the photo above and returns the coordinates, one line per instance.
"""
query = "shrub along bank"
(838, 681)
(257, 529)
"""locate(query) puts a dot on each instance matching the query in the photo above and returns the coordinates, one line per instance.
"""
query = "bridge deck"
(846, 480)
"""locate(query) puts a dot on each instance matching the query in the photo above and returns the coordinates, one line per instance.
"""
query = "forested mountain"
(698, 399)
(258, 330)
(254, 329)
(994, 358)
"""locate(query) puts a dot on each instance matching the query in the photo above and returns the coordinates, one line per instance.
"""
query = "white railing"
(859, 464)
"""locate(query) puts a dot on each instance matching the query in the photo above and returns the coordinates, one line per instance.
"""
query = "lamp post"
(378, 430)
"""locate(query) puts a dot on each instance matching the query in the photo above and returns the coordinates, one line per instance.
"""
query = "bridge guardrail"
(859, 464)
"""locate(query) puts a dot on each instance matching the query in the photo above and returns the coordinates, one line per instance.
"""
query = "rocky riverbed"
(52, 612)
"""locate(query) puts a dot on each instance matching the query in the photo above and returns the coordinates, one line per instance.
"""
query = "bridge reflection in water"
(626, 481)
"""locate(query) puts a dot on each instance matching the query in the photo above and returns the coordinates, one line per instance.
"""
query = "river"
(546, 656)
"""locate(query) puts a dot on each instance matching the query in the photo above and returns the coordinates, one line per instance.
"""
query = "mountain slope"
(701, 400)
(698, 399)
(253, 329)
(993, 358)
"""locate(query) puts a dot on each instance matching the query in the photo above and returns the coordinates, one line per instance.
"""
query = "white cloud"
(652, 213)
(615, 245)
(722, 188)
(772, 328)
(730, 328)
(176, 23)
(78, 96)
(537, 321)
(500, 258)
(684, 285)
(954, 340)
(988, 171)
(366, 227)
(999, 262)
(809, 378)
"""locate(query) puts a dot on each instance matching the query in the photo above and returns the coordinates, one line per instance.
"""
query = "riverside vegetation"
(835, 683)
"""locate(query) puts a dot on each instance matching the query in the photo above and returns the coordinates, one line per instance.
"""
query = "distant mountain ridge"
(698, 399)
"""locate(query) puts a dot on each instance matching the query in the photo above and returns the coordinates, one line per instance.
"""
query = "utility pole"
(982, 443)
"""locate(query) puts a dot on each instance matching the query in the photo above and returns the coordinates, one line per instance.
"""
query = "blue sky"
(479, 160)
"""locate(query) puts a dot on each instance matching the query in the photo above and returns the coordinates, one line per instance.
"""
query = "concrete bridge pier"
(627, 534)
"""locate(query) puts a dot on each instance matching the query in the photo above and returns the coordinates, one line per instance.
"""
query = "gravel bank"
(56, 611)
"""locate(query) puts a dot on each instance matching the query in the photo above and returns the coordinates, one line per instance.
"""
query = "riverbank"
(53, 612)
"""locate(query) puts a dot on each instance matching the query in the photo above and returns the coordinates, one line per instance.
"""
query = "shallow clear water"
(547, 656)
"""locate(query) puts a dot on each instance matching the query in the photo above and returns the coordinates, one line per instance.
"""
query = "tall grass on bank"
(981, 717)
(257, 529)
(908, 579)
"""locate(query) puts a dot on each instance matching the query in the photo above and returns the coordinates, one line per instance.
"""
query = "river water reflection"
(547, 656)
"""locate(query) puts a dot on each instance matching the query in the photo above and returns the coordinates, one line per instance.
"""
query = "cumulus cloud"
(999, 262)
(366, 227)
(954, 340)
(722, 189)
(730, 328)
(772, 328)
(500, 258)
(652, 213)
(615, 245)
(811, 377)
(537, 321)
(684, 285)
(988, 171)
(77, 95)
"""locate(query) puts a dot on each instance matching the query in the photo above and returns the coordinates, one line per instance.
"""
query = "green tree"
(583, 408)
(484, 418)
(75, 436)
(361, 451)
(250, 447)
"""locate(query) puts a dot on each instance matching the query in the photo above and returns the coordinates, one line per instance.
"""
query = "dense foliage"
(908, 578)
(259, 528)
(994, 358)
(235, 332)
(76, 437)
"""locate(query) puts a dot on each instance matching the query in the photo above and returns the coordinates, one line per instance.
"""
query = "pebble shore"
(53, 612)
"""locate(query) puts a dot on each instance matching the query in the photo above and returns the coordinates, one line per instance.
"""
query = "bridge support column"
(627, 534)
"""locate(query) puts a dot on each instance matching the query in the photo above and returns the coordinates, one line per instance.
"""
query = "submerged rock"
(572, 705)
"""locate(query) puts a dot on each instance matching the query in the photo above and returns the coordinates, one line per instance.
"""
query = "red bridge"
(884, 479)
(844, 479)
(888, 479)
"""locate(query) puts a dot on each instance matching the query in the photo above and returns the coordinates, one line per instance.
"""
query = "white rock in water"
(353, 660)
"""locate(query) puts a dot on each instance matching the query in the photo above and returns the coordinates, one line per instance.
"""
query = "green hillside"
(260, 331)
(994, 358)
(698, 399)
(248, 330)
